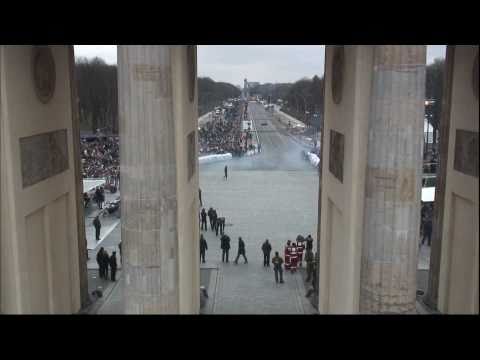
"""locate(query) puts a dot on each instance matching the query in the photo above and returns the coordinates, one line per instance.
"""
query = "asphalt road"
(279, 150)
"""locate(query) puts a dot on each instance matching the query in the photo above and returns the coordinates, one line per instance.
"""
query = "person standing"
(100, 198)
(106, 261)
(226, 172)
(241, 251)
(210, 217)
(277, 262)
(225, 246)
(309, 259)
(97, 197)
(113, 265)
(309, 242)
(214, 219)
(266, 249)
(120, 249)
(101, 271)
(203, 248)
(219, 225)
(97, 224)
(427, 231)
(200, 196)
(204, 220)
(222, 225)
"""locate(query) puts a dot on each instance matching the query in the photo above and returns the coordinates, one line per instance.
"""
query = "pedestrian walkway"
(109, 222)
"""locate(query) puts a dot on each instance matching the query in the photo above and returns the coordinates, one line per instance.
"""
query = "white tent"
(428, 194)
(91, 184)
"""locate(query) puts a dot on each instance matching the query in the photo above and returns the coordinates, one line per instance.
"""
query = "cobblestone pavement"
(272, 195)
(109, 222)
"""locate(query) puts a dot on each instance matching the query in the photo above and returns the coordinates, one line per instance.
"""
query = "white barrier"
(212, 158)
(314, 159)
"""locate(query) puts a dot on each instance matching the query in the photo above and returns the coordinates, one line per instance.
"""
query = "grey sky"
(262, 63)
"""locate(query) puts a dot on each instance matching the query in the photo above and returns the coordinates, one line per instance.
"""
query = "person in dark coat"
(214, 219)
(226, 172)
(106, 263)
(97, 196)
(210, 217)
(427, 231)
(120, 249)
(241, 251)
(266, 249)
(277, 262)
(97, 224)
(225, 246)
(309, 259)
(113, 265)
(203, 248)
(221, 224)
(101, 267)
(102, 197)
(200, 196)
(309, 241)
(203, 215)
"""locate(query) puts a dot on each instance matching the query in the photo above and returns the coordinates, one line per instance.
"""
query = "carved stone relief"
(337, 74)
(335, 164)
(44, 76)
(475, 75)
(192, 69)
(43, 156)
(192, 155)
(466, 152)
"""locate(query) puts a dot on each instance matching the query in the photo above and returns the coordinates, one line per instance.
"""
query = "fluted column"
(148, 178)
(393, 183)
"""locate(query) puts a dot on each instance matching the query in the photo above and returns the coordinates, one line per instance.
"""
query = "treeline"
(305, 99)
(275, 91)
(434, 91)
(98, 94)
(302, 99)
(212, 93)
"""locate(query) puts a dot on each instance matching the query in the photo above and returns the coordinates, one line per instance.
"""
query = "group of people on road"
(220, 136)
(426, 224)
(217, 223)
(105, 262)
(277, 260)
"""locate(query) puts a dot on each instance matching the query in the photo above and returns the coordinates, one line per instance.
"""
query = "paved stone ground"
(109, 222)
(271, 195)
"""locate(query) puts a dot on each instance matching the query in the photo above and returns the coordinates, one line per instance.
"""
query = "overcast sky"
(262, 63)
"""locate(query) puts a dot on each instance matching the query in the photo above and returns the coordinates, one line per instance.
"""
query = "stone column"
(431, 297)
(81, 238)
(148, 178)
(393, 181)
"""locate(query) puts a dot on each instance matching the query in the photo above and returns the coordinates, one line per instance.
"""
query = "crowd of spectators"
(221, 135)
(101, 158)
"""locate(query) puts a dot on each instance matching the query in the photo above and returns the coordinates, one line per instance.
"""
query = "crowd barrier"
(212, 158)
(314, 159)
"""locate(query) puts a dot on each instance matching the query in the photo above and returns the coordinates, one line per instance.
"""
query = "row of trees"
(98, 94)
(434, 91)
(305, 98)
(212, 93)
(275, 91)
